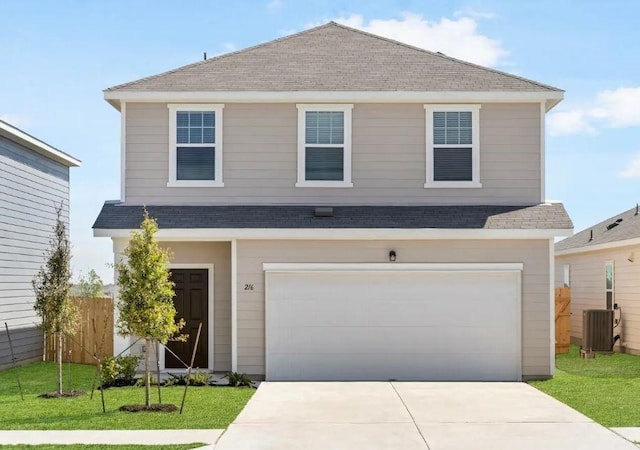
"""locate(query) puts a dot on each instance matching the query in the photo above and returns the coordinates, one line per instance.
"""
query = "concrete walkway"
(631, 433)
(113, 437)
(435, 416)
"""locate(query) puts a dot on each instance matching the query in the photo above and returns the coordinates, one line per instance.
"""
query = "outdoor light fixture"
(392, 256)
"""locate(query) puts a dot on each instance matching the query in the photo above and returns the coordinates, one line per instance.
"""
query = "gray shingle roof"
(543, 216)
(334, 57)
(628, 228)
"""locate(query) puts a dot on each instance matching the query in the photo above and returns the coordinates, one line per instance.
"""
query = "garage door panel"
(376, 340)
(393, 325)
(398, 366)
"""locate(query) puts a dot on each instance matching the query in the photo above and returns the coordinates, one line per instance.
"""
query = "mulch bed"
(71, 393)
(156, 407)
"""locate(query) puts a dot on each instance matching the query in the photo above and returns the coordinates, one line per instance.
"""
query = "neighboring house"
(34, 180)
(344, 206)
(601, 265)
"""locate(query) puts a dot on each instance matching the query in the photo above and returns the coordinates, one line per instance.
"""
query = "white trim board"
(392, 267)
(210, 312)
(551, 98)
(228, 234)
(123, 151)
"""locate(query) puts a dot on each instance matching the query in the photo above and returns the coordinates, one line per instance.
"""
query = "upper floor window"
(453, 147)
(195, 145)
(324, 146)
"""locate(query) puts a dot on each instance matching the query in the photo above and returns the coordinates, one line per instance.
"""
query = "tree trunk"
(147, 373)
(59, 350)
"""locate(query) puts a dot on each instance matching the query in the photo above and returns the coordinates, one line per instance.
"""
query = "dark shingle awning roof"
(550, 216)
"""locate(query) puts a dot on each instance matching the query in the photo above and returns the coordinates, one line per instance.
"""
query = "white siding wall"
(260, 153)
(535, 283)
(588, 284)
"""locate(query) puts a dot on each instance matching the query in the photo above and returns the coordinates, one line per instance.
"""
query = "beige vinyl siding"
(260, 157)
(534, 254)
(588, 289)
(218, 254)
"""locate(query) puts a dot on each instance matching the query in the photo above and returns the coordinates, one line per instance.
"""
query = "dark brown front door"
(191, 302)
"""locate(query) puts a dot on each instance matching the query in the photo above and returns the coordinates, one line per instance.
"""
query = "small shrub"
(119, 370)
(199, 378)
(239, 379)
(195, 379)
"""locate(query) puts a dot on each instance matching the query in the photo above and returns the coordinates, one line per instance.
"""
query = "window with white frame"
(567, 276)
(195, 145)
(609, 284)
(324, 145)
(453, 147)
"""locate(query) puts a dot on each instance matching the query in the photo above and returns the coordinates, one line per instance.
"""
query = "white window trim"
(346, 109)
(475, 146)
(566, 275)
(173, 170)
(613, 283)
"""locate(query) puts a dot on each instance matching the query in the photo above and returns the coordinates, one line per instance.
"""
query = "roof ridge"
(443, 56)
(222, 56)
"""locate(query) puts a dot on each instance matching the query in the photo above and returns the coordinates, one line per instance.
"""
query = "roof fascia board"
(225, 234)
(550, 97)
(38, 146)
(599, 247)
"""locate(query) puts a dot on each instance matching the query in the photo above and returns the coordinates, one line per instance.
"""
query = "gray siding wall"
(536, 289)
(30, 187)
(388, 154)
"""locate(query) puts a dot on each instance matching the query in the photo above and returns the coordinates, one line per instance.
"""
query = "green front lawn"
(606, 389)
(205, 407)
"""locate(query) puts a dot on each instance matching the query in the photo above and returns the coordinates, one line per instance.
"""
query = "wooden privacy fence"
(563, 320)
(94, 335)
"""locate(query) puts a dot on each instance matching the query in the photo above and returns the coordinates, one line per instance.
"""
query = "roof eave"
(225, 234)
(38, 146)
(599, 247)
(550, 98)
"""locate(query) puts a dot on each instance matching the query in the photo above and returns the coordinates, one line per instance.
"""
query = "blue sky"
(57, 57)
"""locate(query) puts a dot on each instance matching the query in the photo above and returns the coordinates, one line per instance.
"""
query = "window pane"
(208, 136)
(196, 163)
(608, 273)
(465, 136)
(183, 135)
(195, 135)
(195, 119)
(195, 127)
(324, 164)
(453, 119)
(324, 127)
(209, 119)
(465, 119)
(182, 119)
(452, 128)
(610, 300)
(452, 164)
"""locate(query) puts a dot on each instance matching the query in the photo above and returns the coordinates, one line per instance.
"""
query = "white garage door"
(351, 322)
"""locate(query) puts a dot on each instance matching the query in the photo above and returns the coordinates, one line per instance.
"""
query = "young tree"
(146, 293)
(51, 285)
(90, 285)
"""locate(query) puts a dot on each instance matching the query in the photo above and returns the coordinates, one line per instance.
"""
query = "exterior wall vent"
(597, 330)
(323, 212)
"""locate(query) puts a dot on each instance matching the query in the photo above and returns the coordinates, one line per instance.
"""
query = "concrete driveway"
(408, 415)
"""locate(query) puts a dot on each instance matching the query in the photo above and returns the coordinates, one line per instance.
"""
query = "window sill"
(453, 184)
(324, 184)
(195, 183)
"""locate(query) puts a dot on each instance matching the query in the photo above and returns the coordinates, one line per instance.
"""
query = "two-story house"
(342, 206)
(34, 183)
